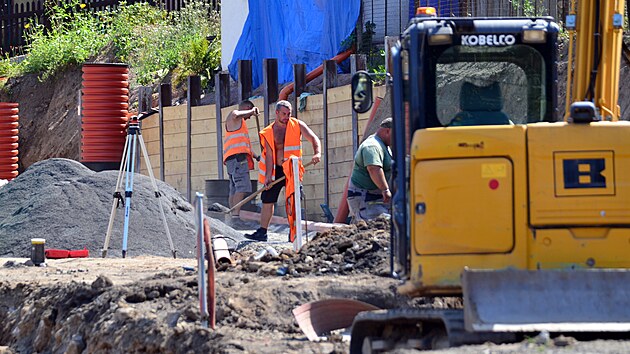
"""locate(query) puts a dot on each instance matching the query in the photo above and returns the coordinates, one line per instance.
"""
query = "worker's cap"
(387, 123)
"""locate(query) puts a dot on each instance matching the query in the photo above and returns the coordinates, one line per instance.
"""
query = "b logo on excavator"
(584, 173)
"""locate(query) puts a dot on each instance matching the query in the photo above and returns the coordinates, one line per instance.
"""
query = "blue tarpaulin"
(294, 32)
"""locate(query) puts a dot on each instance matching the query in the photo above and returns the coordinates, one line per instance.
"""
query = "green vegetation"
(374, 55)
(152, 41)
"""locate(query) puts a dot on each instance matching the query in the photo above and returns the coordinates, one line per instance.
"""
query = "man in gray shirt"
(368, 191)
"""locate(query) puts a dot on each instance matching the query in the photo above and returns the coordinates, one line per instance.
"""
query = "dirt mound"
(352, 249)
(50, 125)
(160, 314)
(69, 205)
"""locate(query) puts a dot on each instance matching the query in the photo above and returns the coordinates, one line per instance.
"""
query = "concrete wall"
(204, 146)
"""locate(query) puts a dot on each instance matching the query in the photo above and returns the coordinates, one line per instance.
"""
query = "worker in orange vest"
(281, 140)
(238, 156)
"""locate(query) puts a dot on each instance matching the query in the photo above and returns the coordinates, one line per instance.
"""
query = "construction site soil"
(147, 302)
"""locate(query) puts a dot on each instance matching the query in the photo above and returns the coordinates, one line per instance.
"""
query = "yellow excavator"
(502, 196)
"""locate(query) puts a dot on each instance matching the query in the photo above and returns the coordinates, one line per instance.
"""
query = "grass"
(152, 41)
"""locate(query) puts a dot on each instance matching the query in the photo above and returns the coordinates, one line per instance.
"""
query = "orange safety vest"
(292, 147)
(237, 142)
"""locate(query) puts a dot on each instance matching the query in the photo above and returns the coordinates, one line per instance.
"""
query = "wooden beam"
(270, 85)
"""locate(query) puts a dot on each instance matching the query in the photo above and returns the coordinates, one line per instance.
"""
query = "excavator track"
(428, 328)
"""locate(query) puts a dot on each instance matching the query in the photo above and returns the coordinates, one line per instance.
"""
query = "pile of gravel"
(352, 249)
(69, 205)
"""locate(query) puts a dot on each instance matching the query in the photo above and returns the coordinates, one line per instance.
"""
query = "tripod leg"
(117, 190)
(128, 193)
(157, 194)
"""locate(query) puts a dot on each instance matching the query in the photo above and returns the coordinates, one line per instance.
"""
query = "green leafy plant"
(152, 41)
(75, 34)
(531, 8)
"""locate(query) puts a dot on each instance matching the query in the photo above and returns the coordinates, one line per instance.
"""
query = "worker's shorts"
(271, 195)
(366, 205)
(238, 170)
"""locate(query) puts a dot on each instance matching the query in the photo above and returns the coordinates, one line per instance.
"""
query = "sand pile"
(69, 205)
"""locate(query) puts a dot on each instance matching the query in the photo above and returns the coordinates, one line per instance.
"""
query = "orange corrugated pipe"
(9, 140)
(104, 112)
(288, 89)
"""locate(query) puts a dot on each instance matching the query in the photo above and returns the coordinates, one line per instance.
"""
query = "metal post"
(330, 81)
(166, 99)
(144, 105)
(297, 244)
(194, 96)
(222, 99)
(357, 63)
(299, 84)
(270, 85)
(244, 79)
(201, 256)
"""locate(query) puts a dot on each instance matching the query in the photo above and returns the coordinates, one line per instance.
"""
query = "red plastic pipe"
(9, 140)
(104, 110)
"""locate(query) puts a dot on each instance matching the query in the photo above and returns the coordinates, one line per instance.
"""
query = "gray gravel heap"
(69, 205)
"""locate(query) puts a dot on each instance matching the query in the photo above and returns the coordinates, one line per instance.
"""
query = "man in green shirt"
(368, 191)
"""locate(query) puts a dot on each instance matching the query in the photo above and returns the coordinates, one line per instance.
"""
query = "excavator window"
(490, 86)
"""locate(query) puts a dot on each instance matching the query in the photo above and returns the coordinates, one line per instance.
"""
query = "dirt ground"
(149, 304)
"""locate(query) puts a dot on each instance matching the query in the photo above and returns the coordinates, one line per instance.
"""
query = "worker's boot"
(258, 235)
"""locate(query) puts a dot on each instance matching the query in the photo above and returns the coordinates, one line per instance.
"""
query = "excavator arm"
(595, 49)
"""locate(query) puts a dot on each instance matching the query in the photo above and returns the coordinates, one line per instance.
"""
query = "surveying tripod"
(127, 165)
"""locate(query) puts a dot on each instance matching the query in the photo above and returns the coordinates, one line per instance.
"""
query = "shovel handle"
(253, 195)
(259, 141)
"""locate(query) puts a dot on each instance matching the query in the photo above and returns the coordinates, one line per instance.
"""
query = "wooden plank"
(204, 112)
(206, 154)
(205, 127)
(204, 141)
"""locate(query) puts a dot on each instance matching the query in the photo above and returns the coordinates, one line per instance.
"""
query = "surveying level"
(127, 165)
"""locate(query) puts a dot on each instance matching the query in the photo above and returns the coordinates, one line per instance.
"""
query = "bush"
(152, 41)
(74, 36)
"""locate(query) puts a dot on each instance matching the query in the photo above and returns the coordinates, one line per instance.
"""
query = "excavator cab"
(496, 198)
(457, 76)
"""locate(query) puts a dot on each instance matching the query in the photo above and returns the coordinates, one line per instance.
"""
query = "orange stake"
(212, 300)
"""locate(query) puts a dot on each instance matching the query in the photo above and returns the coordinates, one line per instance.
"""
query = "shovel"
(226, 210)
